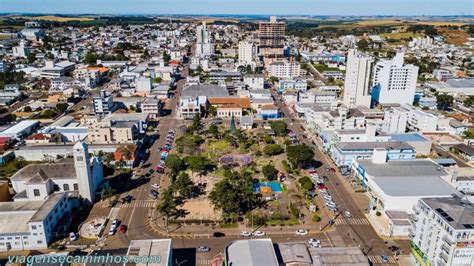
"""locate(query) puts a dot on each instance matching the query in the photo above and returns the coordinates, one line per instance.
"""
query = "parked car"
(204, 249)
(123, 228)
(155, 186)
(301, 232)
(347, 214)
(245, 234)
(127, 199)
(258, 233)
(112, 231)
(115, 223)
(218, 234)
(153, 194)
(72, 236)
(314, 243)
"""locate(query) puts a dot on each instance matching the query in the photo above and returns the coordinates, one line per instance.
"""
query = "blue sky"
(303, 7)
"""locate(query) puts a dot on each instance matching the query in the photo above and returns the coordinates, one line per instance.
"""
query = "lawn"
(218, 148)
(321, 68)
(400, 35)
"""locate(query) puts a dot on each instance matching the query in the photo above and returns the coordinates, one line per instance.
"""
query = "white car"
(115, 223)
(72, 236)
(156, 186)
(301, 232)
(245, 234)
(314, 243)
(347, 214)
(112, 231)
(258, 233)
(204, 249)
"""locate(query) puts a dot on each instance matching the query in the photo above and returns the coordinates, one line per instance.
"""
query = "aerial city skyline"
(248, 139)
(261, 7)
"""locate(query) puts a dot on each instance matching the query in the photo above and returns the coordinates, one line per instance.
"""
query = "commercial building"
(254, 81)
(271, 35)
(344, 153)
(284, 69)
(32, 225)
(251, 252)
(397, 185)
(103, 103)
(292, 84)
(158, 250)
(247, 52)
(443, 231)
(357, 81)
(394, 81)
(21, 130)
(223, 77)
(338, 256)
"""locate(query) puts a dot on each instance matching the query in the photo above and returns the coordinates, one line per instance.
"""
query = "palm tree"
(108, 192)
(167, 206)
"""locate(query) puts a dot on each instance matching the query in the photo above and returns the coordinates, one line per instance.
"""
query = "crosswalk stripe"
(204, 262)
(353, 221)
(378, 259)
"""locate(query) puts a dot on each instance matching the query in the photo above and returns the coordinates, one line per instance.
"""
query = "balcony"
(445, 248)
(448, 240)
(444, 257)
(411, 232)
(416, 209)
(413, 218)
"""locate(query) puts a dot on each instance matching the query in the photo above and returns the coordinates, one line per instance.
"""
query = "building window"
(36, 192)
(55, 187)
(75, 186)
(66, 187)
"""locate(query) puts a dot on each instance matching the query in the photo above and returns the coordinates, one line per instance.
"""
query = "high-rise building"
(22, 50)
(443, 231)
(204, 46)
(394, 82)
(272, 38)
(246, 53)
(357, 82)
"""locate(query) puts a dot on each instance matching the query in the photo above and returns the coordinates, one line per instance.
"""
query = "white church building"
(45, 196)
(38, 181)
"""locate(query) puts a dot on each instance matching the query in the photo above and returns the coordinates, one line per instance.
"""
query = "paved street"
(355, 231)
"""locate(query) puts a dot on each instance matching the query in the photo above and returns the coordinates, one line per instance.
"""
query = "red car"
(123, 228)
(333, 170)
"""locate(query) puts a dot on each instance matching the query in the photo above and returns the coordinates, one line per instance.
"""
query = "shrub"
(316, 218)
(378, 213)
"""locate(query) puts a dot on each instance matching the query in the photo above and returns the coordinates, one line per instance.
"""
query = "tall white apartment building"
(422, 122)
(204, 46)
(357, 81)
(22, 50)
(284, 69)
(394, 82)
(443, 231)
(247, 51)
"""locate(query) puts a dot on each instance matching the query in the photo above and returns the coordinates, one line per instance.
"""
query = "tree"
(27, 109)
(175, 164)
(197, 124)
(269, 171)
(108, 192)
(279, 127)
(272, 149)
(469, 134)
(363, 45)
(469, 102)
(197, 163)
(166, 205)
(212, 111)
(444, 101)
(273, 79)
(306, 183)
(228, 79)
(234, 194)
(214, 130)
(62, 107)
(166, 57)
(299, 155)
(184, 185)
(157, 80)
